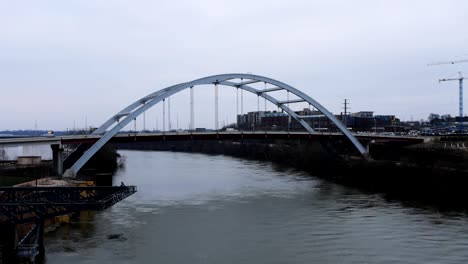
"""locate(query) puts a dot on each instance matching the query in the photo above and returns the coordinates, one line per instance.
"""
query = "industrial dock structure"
(27, 209)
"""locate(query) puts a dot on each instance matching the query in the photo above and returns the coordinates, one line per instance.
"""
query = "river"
(196, 208)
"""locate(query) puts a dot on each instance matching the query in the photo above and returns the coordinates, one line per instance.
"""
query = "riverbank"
(412, 174)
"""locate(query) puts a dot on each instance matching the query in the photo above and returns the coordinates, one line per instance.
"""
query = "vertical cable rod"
(242, 102)
(238, 118)
(191, 109)
(237, 101)
(144, 121)
(164, 115)
(289, 116)
(242, 99)
(258, 103)
(461, 104)
(169, 113)
(216, 106)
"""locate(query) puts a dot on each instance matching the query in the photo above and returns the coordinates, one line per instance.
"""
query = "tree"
(446, 118)
(3, 156)
(434, 118)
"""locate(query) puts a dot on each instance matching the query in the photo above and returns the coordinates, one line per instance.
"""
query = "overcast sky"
(66, 61)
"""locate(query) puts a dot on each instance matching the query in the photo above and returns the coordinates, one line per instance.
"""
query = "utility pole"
(346, 108)
(460, 98)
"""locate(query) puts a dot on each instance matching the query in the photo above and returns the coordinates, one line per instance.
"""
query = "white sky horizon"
(62, 62)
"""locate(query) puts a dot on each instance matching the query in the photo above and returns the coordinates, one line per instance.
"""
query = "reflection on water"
(194, 208)
(12, 180)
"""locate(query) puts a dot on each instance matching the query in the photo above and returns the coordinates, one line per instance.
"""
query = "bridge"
(187, 136)
(131, 137)
(262, 87)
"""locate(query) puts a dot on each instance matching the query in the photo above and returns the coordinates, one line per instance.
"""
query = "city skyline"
(77, 62)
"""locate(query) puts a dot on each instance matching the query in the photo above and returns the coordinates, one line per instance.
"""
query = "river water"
(196, 208)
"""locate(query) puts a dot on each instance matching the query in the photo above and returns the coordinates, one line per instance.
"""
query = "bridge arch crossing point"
(118, 121)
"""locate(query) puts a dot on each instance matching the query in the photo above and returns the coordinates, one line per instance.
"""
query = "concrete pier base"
(57, 156)
(8, 242)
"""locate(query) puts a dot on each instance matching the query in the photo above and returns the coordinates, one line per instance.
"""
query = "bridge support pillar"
(40, 239)
(57, 156)
(8, 242)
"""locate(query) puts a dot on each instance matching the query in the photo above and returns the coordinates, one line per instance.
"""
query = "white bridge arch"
(126, 115)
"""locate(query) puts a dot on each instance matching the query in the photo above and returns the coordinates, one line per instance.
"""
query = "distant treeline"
(30, 133)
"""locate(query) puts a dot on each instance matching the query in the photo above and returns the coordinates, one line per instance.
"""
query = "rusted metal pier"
(31, 206)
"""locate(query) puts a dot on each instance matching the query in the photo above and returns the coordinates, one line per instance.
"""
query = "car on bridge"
(49, 133)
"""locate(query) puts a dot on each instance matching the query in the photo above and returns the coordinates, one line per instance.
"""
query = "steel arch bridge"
(236, 80)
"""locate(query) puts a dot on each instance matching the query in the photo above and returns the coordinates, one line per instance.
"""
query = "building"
(363, 114)
(29, 160)
(359, 121)
(251, 120)
(262, 120)
(275, 121)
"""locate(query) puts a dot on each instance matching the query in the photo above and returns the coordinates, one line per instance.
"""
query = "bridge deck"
(182, 136)
(257, 135)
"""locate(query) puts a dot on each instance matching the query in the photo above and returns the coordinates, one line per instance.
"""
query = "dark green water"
(195, 208)
(12, 180)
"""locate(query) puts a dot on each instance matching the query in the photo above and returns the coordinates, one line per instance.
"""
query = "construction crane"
(447, 62)
(460, 98)
(460, 92)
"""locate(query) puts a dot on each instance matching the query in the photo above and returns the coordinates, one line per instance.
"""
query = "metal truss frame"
(27, 204)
